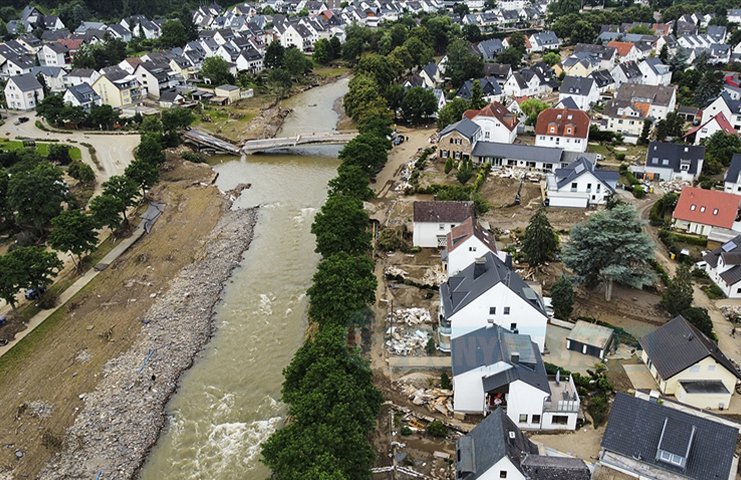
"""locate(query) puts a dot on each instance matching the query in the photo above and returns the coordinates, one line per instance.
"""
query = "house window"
(492, 310)
(536, 419)
(471, 249)
(506, 310)
(589, 187)
(502, 473)
(573, 186)
(441, 226)
(693, 207)
(665, 456)
(715, 211)
(702, 209)
(695, 368)
(711, 368)
(513, 326)
(523, 418)
(560, 420)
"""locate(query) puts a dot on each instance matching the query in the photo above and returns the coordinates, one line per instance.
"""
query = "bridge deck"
(266, 144)
(203, 139)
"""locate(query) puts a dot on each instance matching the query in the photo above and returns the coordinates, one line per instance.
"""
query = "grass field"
(42, 148)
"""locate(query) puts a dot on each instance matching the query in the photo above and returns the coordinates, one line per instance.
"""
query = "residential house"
(672, 161)
(117, 88)
(155, 78)
(591, 339)
(647, 439)
(604, 82)
(490, 89)
(686, 363)
(732, 183)
(562, 128)
(486, 292)
(496, 449)
(734, 15)
(582, 90)
(496, 122)
(499, 71)
(524, 83)
(119, 32)
(250, 60)
(23, 92)
(82, 95)
(16, 65)
(580, 184)
(543, 159)
(466, 242)
(497, 369)
(699, 211)
(579, 65)
(171, 98)
(81, 75)
(489, 49)
(723, 266)
(626, 51)
(541, 41)
(627, 72)
(716, 123)
(655, 72)
(718, 33)
(431, 75)
(730, 108)
(635, 103)
(606, 55)
(53, 77)
(139, 25)
(231, 93)
(458, 139)
(54, 55)
(434, 220)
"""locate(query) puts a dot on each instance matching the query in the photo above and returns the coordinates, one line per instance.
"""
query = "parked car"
(34, 293)
(21, 120)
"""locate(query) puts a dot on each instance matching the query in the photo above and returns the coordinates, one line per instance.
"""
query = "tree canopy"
(341, 226)
(540, 241)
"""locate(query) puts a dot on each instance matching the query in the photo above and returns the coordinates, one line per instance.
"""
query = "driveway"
(114, 151)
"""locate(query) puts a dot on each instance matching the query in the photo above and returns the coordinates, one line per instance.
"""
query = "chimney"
(479, 267)
(653, 396)
(508, 261)
(515, 357)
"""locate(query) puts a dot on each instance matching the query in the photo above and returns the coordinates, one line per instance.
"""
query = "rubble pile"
(434, 399)
(123, 416)
(731, 312)
(434, 276)
(411, 316)
(405, 342)
(392, 271)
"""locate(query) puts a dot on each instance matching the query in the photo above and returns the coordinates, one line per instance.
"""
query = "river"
(229, 401)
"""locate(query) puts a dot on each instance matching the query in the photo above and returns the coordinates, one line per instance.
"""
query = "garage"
(564, 201)
(590, 339)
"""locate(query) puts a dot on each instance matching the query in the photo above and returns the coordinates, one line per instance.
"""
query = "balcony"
(444, 331)
(563, 396)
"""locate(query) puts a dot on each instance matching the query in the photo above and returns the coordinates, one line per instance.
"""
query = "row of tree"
(328, 386)
(60, 114)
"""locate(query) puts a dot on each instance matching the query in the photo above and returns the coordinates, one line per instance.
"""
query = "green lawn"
(42, 148)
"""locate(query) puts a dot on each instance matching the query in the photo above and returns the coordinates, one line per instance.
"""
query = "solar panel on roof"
(727, 247)
(579, 168)
(530, 293)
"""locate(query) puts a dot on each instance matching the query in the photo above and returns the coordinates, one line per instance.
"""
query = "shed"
(590, 339)
(231, 92)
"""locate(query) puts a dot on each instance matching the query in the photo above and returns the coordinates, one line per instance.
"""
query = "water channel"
(229, 401)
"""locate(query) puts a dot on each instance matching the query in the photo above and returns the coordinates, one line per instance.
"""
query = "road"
(114, 151)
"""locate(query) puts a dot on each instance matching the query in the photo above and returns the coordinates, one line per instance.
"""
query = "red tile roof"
(623, 48)
(563, 122)
(496, 110)
(708, 207)
(723, 123)
(465, 230)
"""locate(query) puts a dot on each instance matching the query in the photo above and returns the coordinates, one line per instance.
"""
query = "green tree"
(451, 112)
(700, 318)
(611, 247)
(645, 132)
(510, 56)
(59, 154)
(281, 80)
(73, 13)
(341, 226)
(422, 54)
(418, 104)
(36, 194)
(532, 108)
(403, 57)
(562, 297)
(463, 63)
(186, 18)
(73, 231)
(149, 150)
(81, 171)
(709, 86)
(51, 108)
(352, 49)
(363, 91)
(296, 62)
(216, 69)
(352, 181)
(671, 126)
(552, 58)
(26, 267)
(322, 52)
(664, 54)
(173, 34)
(440, 30)
(123, 189)
(540, 241)
(367, 152)
(517, 41)
(472, 33)
(143, 173)
(274, 55)
(377, 67)
(560, 8)
(641, 30)
(477, 95)
(103, 117)
(106, 210)
(151, 124)
(720, 147)
(678, 294)
(343, 287)
(448, 165)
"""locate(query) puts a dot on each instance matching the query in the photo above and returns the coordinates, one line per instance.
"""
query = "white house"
(495, 369)
(496, 122)
(81, 75)
(23, 92)
(546, 40)
(434, 220)
(467, 242)
(672, 161)
(580, 185)
(723, 266)
(732, 183)
(708, 127)
(687, 364)
(54, 55)
(583, 90)
(563, 128)
(490, 292)
(53, 77)
(654, 72)
(730, 108)
(699, 211)
(82, 95)
(250, 60)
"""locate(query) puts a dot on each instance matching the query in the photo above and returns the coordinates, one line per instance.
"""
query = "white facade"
(492, 130)
(730, 291)
(431, 235)
(583, 191)
(16, 99)
(500, 306)
(651, 77)
(570, 144)
(49, 57)
(465, 254)
(719, 105)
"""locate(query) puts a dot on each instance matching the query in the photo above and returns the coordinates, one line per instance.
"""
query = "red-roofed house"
(718, 123)
(496, 122)
(698, 211)
(565, 128)
(467, 242)
(626, 51)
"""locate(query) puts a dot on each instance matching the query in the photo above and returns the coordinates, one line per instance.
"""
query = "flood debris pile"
(409, 331)
(122, 417)
(436, 400)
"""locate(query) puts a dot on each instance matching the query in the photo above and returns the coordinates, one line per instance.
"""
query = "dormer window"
(702, 209)
(715, 211)
(693, 207)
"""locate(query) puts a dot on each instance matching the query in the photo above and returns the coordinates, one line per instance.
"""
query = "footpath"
(148, 219)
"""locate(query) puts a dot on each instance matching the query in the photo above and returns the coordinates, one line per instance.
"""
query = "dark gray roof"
(518, 151)
(576, 85)
(602, 78)
(568, 102)
(478, 278)
(635, 429)
(579, 167)
(541, 467)
(26, 82)
(490, 48)
(489, 86)
(677, 345)
(448, 211)
(732, 247)
(83, 93)
(732, 276)
(677, 154)
(546, 38)
(734, 169)
(631, 70)
(465, 127)
(491, 440)
(602, 52)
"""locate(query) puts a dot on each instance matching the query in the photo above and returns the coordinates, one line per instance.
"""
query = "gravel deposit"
(122, 418)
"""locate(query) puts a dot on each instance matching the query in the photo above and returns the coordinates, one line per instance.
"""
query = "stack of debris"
(411, 316)
(401, 341)
(731, 312)
(434, 276)
(435, 399)
(394, 272)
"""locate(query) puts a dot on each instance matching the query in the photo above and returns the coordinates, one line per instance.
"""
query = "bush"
(713, 291)
(700, 318)
(195, 157)
(620, 157)
(59, 154)
(81, 171)
(639, 192)
(598, 408)
(430, 347)
(448, 165)
(391, 240)
(405, 430)
(437, 429)
(445, 382)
